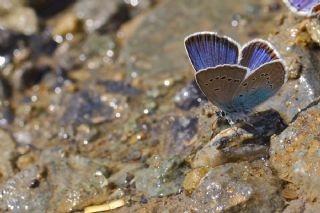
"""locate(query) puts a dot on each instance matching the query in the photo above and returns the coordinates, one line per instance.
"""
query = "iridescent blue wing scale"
(260, 85)
(303, 7)
(256, 53)
(209, 50)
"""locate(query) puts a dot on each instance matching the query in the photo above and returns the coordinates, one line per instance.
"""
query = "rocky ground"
(98, 104)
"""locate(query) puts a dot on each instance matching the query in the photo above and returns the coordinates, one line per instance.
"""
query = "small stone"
(139, 136)
(193, 178)
(7, 146)
(143, 199)
(86, 108)
(289, 194)
(34, 183)
(238, 187)
(27, 160)
(162, 180)
(67, 23)
(312, 26)
(21, 19)
(226, 147)
(80, 75)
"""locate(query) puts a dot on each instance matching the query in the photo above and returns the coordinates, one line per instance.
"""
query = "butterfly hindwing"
(209, 50)
(260, 85)
(220, 83)
(256, 53)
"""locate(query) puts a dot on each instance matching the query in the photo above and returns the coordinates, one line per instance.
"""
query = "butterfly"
(235, 79)
(303, 7)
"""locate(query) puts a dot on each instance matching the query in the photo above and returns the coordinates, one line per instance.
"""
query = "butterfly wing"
(207, 49)
(303, 7)
(256, 53)
(260, 85)
(220, 83)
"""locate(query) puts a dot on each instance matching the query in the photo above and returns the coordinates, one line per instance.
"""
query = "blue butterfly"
(235, 79)
(303, 7)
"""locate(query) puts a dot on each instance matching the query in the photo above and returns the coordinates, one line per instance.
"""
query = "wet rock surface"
(240, 187)
(8, 155)
(96, 14)
(303, 86)
(98, 104)
(189, 96)
(22, 193)
(163, 180)
(295, 155)
(85, 107)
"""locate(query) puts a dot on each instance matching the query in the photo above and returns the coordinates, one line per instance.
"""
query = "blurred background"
(98, 103)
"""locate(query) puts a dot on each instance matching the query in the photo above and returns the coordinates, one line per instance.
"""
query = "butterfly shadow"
(242, 141)
(265, 123)
(262, 125)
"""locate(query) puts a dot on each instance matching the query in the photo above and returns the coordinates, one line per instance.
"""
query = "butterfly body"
(235, 81)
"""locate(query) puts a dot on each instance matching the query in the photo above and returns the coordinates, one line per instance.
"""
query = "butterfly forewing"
(209, 50)
(260, 85)
(219, 84)
(256, 53)
(303, 7)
